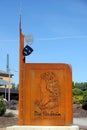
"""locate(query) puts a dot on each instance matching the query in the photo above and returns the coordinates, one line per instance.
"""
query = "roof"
(6, 74)
(3, 82)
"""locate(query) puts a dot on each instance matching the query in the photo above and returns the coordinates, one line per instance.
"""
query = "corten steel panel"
(46, 96)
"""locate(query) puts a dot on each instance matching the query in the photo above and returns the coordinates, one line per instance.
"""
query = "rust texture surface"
(45, 92)
(47, 95)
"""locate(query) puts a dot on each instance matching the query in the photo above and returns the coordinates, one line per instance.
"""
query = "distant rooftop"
(6, 74)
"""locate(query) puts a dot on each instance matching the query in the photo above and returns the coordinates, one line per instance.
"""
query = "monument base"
(43, 128)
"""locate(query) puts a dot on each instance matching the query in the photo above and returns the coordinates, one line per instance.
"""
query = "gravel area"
(78, 112)
(8, 121)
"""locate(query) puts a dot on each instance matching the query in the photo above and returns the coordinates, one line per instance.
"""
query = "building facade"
(6, 78)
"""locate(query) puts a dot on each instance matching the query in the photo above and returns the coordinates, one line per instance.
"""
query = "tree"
(77, 96)
(18, 87)
(73, 85)
(13, 85)
(84, 102)
(77, 91)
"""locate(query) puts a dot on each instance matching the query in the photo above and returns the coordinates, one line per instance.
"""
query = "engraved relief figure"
(49, 92)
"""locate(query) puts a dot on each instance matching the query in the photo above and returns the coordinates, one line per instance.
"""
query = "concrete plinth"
(43, 128)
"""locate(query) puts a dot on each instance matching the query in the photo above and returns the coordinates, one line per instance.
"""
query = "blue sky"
(59, 29)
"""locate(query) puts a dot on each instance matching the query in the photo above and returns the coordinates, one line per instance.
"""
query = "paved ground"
(80, 121)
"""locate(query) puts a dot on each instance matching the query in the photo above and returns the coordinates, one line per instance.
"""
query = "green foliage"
(77, 99)
(73, 85)
(2, 106)
(84, 98)
(77, 91)
(77, 96)
(80, 85)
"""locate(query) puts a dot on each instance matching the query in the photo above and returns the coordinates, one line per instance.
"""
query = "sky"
(59, 30)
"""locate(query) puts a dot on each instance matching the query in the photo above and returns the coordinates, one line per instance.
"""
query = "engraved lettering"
(36, 113)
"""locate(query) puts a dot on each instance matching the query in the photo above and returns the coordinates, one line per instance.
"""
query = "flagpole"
(21, 75)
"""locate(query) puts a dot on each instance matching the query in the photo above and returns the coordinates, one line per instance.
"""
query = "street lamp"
(5, 91)
(9, 87)
(9, 78)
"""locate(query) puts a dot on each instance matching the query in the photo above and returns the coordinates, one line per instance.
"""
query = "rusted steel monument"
(45, 92)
